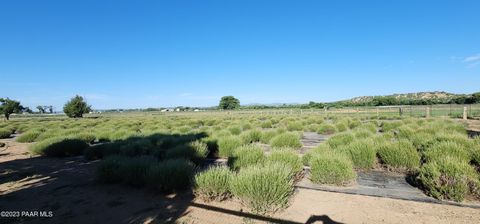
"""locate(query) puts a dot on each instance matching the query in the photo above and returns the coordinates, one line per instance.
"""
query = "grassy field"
(166, 152)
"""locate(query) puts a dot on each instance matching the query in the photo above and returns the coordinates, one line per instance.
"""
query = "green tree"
(28, 110)
(76, 107)
(41, 109)
(229, 103)
(9, 106)
(476, 97)
(384, 101)
(312, 104)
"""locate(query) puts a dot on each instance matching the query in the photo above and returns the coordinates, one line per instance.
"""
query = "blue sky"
(131, 54)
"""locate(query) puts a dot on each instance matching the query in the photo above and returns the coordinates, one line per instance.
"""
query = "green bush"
(281, 130)
(341, 126)
(5, 133)
(326, 129)
(200, 148)
(362, 133)
(134, 170)
(226, 145)
(449, 179)
(354, 123)
(288, 139)
(287, 156)
(399, 155)
(331, 168)
(213, 184)
(101, 151)
(459, 138)
(446, 149)
(251, 136)
(405, 132)
(361, 152)
(212, 145)
(52, 133)
(266, 124)
(312, 127)
(110, 169)
(121, 135)
(422, 140)
(340, 139)
(476, 151)
(59, 147)
(267, 136)
(135, 147)
(246, 155)
(182, 152)
(370, 127)
(29, 136)
(170, 175)
(86, 137)
(235, 130)
(294, 126)
(246, 126)
(184, 129)
(264, 188)
(319, 150)
(389, 126)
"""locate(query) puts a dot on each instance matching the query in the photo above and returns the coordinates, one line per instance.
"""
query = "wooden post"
(400, 111)
(464, 113)
(427, 112)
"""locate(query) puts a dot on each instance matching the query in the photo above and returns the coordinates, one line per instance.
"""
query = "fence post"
(464, 113)
(427, 112)
(400, 111)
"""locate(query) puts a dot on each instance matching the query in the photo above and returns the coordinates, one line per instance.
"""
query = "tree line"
(75, 107)
(375, 101)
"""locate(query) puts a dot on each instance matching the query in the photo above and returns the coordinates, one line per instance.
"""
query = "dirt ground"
(67, 188)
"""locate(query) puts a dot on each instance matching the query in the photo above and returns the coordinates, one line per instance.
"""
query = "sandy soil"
(67, 188)
(310, 206)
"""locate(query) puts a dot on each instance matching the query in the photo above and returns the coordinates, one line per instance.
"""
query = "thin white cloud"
(472, 58)
(472, 61)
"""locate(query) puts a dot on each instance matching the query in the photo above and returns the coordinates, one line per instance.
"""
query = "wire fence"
(471, 111)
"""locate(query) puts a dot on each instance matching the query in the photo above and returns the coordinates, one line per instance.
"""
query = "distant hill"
(420, 98)
(437, 95)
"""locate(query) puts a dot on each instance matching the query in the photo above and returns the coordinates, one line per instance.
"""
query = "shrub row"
(5, 133)
(59, 147)
(146, 171)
